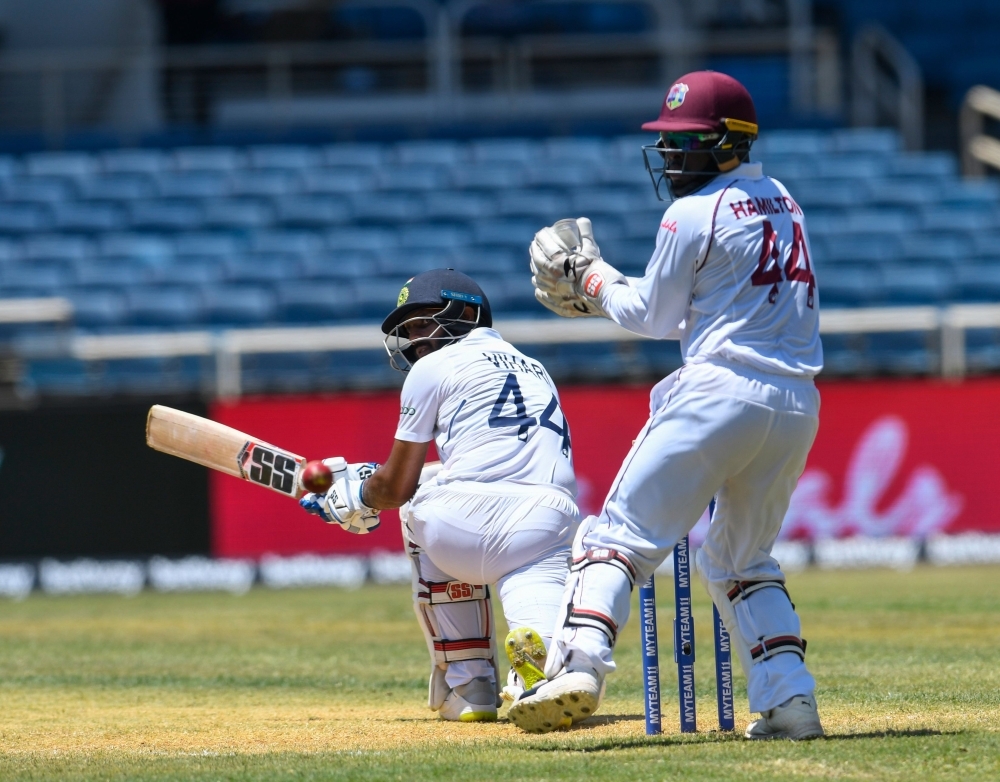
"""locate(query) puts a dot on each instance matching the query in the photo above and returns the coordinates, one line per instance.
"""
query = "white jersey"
(493, 413)
(732, 277)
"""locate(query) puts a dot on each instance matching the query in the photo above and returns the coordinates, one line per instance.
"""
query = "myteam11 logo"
(676, 95)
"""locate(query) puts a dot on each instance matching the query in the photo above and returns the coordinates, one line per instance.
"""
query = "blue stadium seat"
(567, 174)
(55, 247)
(874, 248)
(238, 304)
(403, 263)
(880, 141)
(337, 181)
(787, 168)
(305, 302)
(151, 249)
(312, 211)
(858, 167)
(630, 173)
(163, 306)
(640, 224)
(915, 192)
(192, 184)
(444, 237)
(576, 151)
(166, 215)
(217, 245)
(238, 214)
(374, 240)
(24, 218)
(374, 296)
(37, 190)
(89, 218)
(279, 157)
(959, 219)
(10, 167)
(986, 243)
(543, 206)
(63, 376)
(261, 267)
(488, 176)
(116, 187)
(483, 263)
(328, 265)
(606, 200)
(829, 194)
(848, 285)
(365, 155)
(66, 165)
(902, 352)
(514, 150)
(972, 192)
(134, 161)
(110, 274)
(518, 296)
(878, 221)
(416, 178)
(265, 184)
(792, 142)
(938, 248)
(931, 165)
(440, 153)
(451, 205)
(907, 284)
(517, 234)
(822, 222)
(297, 243)
(97, 308)
(46, 278)
(208, 159)
(979, 282)
(190, 270)
(389, 208)
(153, 375)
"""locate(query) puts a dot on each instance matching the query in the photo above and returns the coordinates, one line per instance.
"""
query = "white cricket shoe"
(796, 718)
(568, 698)
(475, 701)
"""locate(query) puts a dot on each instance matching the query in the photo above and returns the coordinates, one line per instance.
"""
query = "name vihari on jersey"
(506, 361)
(764, 206)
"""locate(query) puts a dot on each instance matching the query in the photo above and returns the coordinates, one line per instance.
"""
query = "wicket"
(684, 652)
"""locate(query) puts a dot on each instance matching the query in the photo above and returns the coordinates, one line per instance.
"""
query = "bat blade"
(220, 447)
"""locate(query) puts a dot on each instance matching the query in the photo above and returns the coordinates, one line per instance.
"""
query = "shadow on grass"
(890, 734)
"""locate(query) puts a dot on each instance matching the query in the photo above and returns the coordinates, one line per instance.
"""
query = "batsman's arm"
(394, 482)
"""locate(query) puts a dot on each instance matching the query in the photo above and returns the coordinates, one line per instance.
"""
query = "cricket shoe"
(568, 698)
(796, 718)
(475, 701)
(526, 653)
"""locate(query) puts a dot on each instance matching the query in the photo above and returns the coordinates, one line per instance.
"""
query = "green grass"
(329, 684)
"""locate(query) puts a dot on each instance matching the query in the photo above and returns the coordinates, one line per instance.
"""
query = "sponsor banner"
(893, 459)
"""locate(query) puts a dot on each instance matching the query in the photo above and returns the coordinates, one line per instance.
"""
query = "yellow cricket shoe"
(526, 652)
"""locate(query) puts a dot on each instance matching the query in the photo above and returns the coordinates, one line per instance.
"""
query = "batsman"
(730, 276)
(501, 509)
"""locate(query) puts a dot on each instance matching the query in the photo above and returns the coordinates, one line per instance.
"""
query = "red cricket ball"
(317, 477)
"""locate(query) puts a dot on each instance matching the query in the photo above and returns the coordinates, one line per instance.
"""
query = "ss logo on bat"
(271, 469)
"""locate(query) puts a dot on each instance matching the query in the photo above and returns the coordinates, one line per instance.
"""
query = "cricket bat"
(225, 449)
(220, 447)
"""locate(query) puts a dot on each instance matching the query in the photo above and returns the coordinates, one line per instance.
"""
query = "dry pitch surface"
(330, 684)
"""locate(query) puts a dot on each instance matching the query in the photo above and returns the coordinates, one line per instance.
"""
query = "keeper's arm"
(394, 482)
(656, 304)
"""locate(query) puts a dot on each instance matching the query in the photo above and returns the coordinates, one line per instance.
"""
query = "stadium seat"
(829, 194)
(134, 161)
(117, 187)
(543, 206)
(189, 270)
(66, 165)
(264, 184)
(151, 249)
(517, 234)
(505, 151)
(288, 158)
(848, 285)
(451, 205)
(297, 243)
(24, 218)
(592, 201)
(902, 193)
(237, 214)
(238, 304)
(927, 165)
(374, 240)
(97, 308)
(875, 248)
(305, 302)
(437, 153)
(163, 306)
(208, 159)
(959, 220)
(877, 221)
(217, 245)
(363, 155)
(979, 282)
(328, 265)
(192, 184)
(881, 141)
(413, 178)
(403, 263)
(45, 278)
(444, 237)
(908, 284)
(89, 218)
(489, 176)
(261, 267)
(562, 174)
(166, 215)
(857, 167)
(55, 247)
(315, 211)
(110, 274)
(387, 208)
(39, 190)
(936, 248)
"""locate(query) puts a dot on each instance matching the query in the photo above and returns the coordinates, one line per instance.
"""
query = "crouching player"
(501, 511)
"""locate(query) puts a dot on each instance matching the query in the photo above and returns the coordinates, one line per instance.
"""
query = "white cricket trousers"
(719, 430)
(516, 538)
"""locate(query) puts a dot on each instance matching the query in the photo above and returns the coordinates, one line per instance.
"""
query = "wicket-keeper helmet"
(706, 114)
(446, 289)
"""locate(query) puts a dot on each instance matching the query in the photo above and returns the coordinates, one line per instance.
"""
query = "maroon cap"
(701, 100)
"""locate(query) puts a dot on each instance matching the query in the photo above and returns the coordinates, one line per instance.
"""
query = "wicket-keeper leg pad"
(765, 633)
(457, 620)
(595, 607)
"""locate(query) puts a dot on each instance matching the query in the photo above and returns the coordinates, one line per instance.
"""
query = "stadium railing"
(978, 149)
(229, 347)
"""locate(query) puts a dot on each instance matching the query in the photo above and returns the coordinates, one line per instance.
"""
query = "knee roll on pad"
(594, 575)
(449, 602)
(759, 616)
